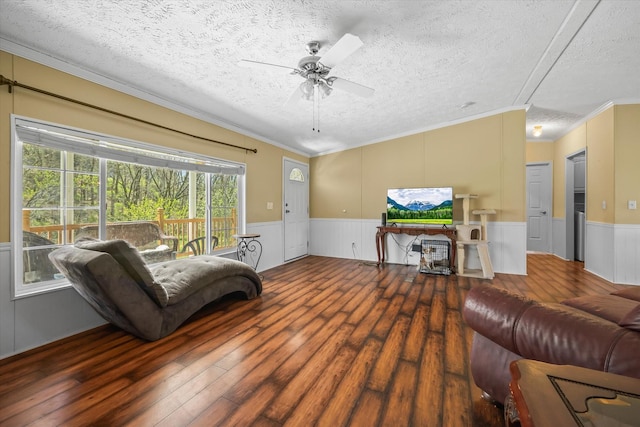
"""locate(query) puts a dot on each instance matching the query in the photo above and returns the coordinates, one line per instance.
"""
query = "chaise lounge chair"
(150, 301)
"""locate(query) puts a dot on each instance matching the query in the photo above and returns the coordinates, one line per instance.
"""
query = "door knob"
(287, 211)
(543, 212)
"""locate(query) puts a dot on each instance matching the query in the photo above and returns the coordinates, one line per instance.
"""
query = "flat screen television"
(424, 206)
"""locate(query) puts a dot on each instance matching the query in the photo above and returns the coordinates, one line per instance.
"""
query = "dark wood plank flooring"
(330, 342)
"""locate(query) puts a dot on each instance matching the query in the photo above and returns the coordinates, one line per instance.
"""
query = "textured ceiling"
(425, 59)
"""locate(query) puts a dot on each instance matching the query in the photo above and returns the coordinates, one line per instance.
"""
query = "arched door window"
(296, 175)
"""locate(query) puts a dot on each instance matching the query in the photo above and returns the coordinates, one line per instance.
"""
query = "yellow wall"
(335, 185)
(600, 167)
(484, 157)
(627, 157)
(6, 103)
(539, 152)
(264, 169)
(611, 143)
(392, 164)
(513, 168)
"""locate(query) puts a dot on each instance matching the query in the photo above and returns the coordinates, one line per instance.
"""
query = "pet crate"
(435, 257)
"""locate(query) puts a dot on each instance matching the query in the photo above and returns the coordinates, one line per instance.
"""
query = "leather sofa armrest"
(564, 335)
(553, 333)
(494, 313)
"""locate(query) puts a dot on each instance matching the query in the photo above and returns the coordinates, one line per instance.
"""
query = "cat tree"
(471, 235)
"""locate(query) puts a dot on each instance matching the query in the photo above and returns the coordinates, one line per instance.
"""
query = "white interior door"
(296, 209)
(539, 204)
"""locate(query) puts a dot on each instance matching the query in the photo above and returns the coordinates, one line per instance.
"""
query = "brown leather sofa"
(599, 332)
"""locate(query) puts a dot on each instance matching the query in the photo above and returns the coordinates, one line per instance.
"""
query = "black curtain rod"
(12, 83)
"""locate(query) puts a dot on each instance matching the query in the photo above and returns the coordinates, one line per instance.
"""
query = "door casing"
(539, 207)
(295, 211)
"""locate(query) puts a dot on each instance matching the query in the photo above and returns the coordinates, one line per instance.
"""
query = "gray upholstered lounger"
(150, 301)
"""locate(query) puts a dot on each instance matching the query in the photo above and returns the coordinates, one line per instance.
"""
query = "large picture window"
(72, 184)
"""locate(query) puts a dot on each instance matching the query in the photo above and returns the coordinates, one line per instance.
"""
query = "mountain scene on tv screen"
(419, 206)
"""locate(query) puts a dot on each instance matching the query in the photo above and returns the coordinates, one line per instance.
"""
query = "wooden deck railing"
(184, 229)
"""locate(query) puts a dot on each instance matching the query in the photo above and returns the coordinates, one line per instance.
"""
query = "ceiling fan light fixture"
(537, 130)
(325, 90)
(306, 87)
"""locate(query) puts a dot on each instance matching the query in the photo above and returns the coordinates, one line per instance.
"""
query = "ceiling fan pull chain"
(313, 109)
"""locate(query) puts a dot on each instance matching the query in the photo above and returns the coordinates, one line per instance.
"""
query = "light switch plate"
(631, 204)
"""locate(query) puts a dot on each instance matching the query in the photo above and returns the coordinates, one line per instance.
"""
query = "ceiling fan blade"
(352, 87)
(296, 96)
(247, 63)
(343, 48)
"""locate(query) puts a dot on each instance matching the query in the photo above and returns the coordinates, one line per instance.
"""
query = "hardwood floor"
(329, 342)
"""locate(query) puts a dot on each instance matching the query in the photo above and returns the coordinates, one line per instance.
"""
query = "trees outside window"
(71, 179)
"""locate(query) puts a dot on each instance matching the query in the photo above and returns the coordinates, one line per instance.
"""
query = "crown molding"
(432, 127)
(66, 67)
(601, 109)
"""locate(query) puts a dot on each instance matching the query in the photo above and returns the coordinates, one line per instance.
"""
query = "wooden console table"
(415, 231)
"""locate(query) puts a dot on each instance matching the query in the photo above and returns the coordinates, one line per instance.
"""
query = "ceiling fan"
(315, 70)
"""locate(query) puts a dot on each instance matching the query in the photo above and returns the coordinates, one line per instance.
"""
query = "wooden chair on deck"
(197, 245)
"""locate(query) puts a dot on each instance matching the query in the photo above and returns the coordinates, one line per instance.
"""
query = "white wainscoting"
(611, 251)
(341, 238)
(7, 328)
(355, 239)
(508, 246)
(626, 254)
(599, 250)
(49, 317)
(33, 321)
(559, 238)
(271, 238)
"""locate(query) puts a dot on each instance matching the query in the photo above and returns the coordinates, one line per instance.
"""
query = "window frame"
(116, 150)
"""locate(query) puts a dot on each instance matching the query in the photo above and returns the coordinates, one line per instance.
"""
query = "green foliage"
(35, 155)
(134, 192)
(41, 188)
(437, 215)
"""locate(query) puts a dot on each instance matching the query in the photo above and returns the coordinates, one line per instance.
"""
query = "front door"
(296, 209)
(539, 202)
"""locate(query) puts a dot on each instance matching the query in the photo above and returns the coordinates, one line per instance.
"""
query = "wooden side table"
(543, 395)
